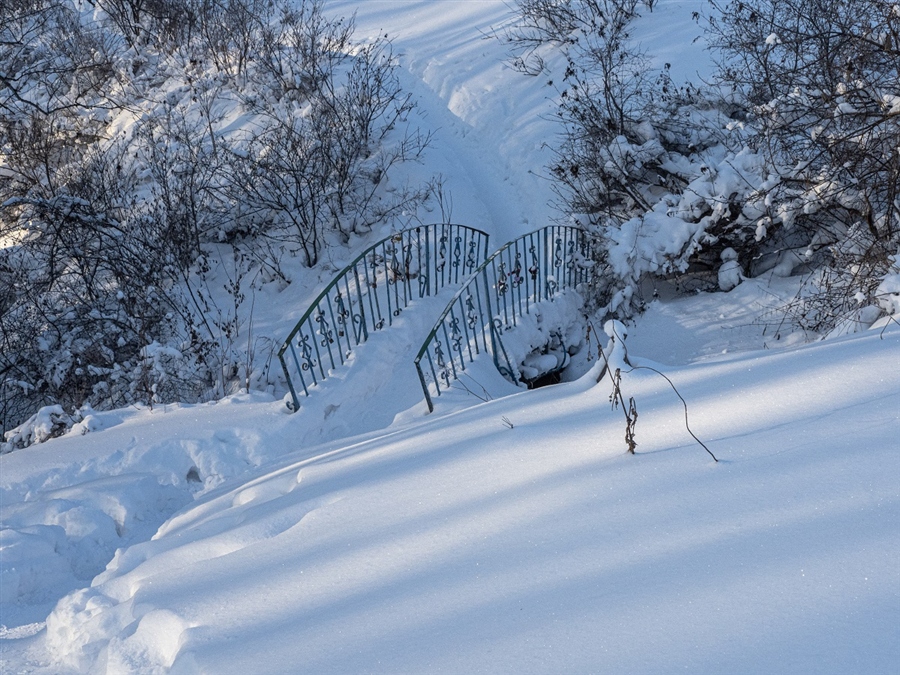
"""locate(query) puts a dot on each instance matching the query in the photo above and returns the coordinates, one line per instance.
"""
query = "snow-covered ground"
(512, 535)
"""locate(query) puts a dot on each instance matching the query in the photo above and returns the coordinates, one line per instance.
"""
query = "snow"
(361, 534)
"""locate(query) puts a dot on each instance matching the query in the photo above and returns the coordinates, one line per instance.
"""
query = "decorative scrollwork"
(472, 257)
(394, 271)
(498, 325)
(507, 373)
(515, 276)
(457, 251)
(502, 280)
(570, 255)
(341, 313)
(455, 335)
(325, 329)
(552, 286)
(535, 265)
(358, 322)
(558, 253)
(471, 314)
(407, 261)
(443, 366)
(442, 253)
(306, 352)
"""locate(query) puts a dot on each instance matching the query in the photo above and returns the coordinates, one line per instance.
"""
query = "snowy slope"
(460, 545)
(362, 535)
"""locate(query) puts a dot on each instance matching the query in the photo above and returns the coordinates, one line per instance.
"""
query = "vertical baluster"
(461, 262)
(445, 254)
(325, 338)
(363, 330)
(405, 264)
(396, 273)
(336, 331)
(311, 337)
(559, 253)
(447, 342)
(464, 311)
(424, 385)
(429, 275)
(488, 289)
(562, 279)
(387, 283)
(421, 276)
(461, 255)
(455, 257)
(440, 258)
(517, 262)
(530, 271)
(541, 265)
(481, 315)
(374, 310)
(349, 327)
(456, 337)
(437, 384)
(503, 280)
(299, 372)
(509, 298)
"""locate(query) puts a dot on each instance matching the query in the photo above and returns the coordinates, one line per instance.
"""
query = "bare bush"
(818, 81)
(124, 189)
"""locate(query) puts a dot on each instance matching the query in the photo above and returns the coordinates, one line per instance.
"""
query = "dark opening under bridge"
(495, 291)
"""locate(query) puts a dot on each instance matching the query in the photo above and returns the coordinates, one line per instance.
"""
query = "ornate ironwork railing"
(527, 270)
(370, 292)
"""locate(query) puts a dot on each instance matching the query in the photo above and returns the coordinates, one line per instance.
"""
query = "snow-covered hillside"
(508, 531)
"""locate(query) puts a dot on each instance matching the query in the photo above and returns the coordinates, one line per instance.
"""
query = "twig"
(631, 421)
(683, 402)
(485, 398)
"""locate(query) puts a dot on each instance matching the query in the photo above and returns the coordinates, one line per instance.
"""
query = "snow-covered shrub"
(329, 125)
(608, 151)
(887, 295)
(642, 162)
(817, 82)
(790, 162)
(48, 422)
(544, 339)
(146, 147)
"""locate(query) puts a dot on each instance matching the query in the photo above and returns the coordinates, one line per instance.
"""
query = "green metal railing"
(527, 270)
(370, 293)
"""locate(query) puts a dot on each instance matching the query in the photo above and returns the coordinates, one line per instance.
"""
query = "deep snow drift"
(507, 535)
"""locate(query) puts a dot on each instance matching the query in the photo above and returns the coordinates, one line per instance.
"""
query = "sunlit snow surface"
(362, 535)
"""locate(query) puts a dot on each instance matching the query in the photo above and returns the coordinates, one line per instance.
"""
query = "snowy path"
(489, 121)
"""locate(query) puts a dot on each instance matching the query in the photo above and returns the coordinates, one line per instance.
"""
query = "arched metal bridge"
(495, 291)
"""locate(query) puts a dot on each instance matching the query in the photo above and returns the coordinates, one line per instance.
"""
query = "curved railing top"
(521, 273)
(372, 290)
